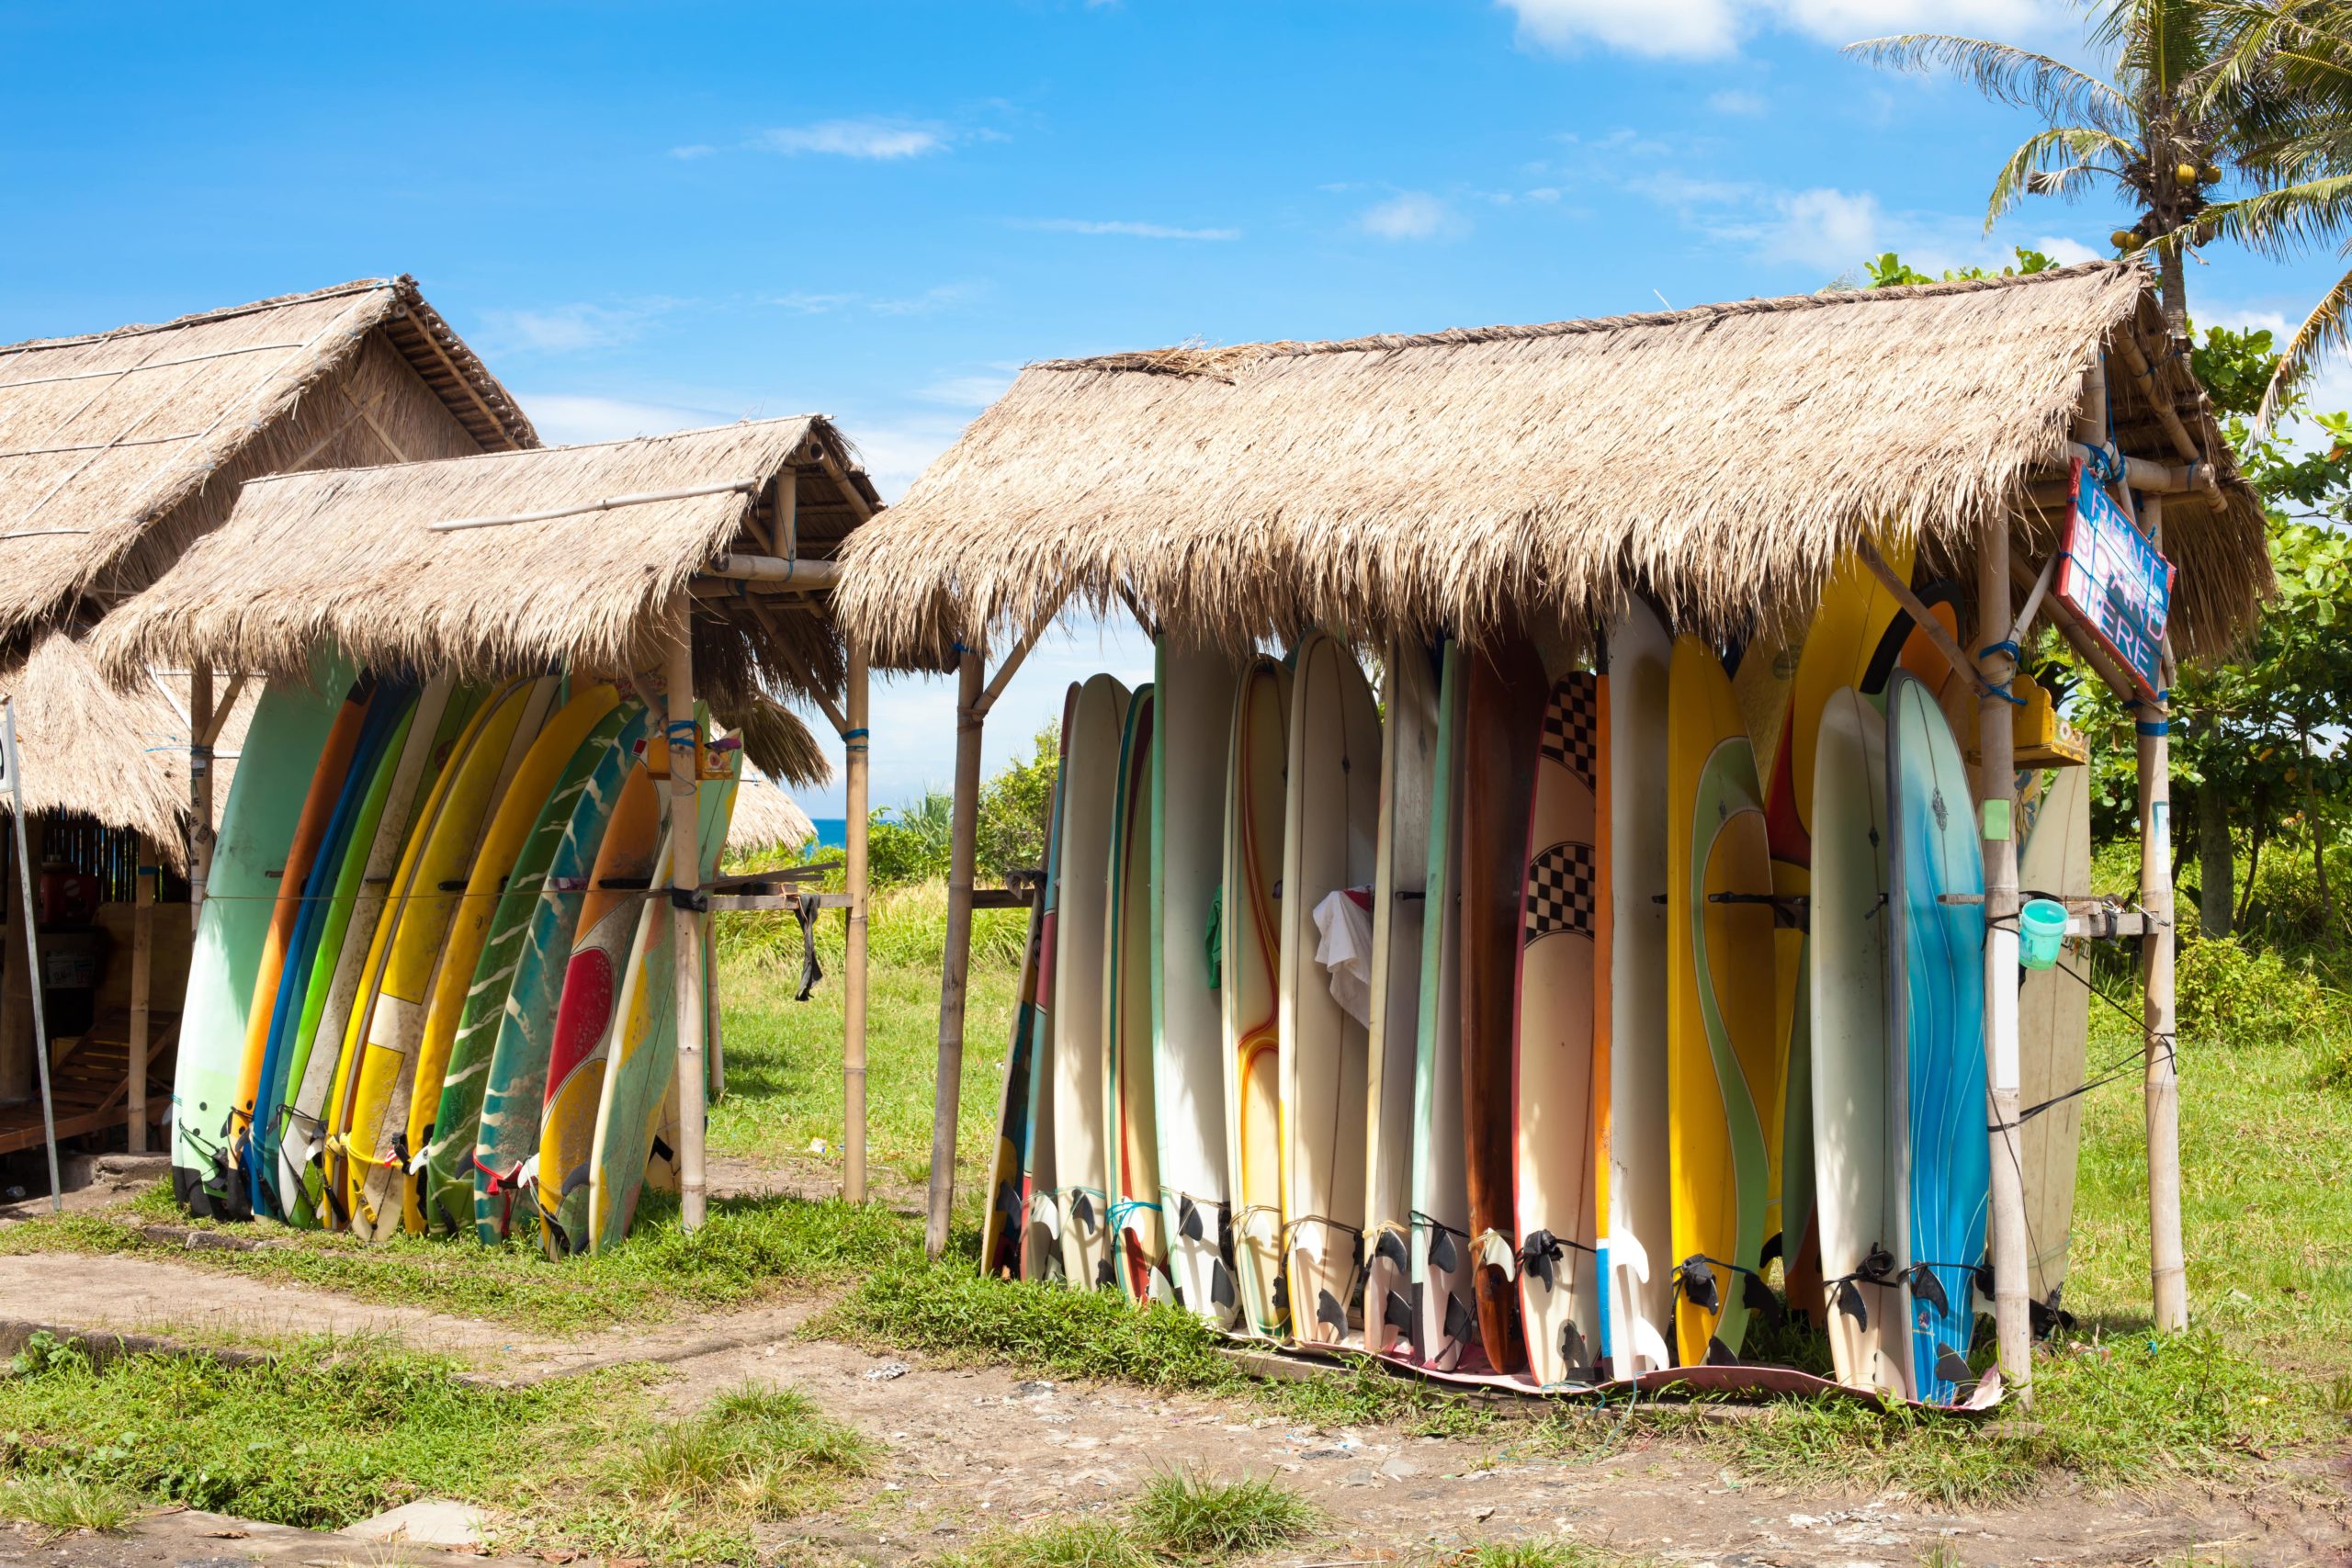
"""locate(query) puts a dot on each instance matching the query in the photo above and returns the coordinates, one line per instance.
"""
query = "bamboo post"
(1996, 779)
(200, 785)
(143, 980)
(2169, 1275)
(713, 1032)
(855, 768)
(955, 961)
(685, 920)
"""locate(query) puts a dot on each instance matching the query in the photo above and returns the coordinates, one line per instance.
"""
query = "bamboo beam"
(602, 503)
(856, 503)
(686, 923)
(2078, 638)
(2159, 399)
(955, 961)
(2168, 1276)
(856, 768)
(775, 569)
(2158, 478)
(142, 985)
(223, 706)
(1996, 782)
(1920, 616)
(1012, 665)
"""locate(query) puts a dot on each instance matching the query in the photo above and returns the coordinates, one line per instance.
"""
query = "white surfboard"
(1081, 1151)
(1249, 935)
(2054, 1031)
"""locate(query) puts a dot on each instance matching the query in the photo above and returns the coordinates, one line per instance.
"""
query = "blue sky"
(659, 216)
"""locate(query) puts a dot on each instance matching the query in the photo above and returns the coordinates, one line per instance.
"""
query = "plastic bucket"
(2041, 930)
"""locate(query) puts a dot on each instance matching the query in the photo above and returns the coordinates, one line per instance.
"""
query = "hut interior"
(118, 450)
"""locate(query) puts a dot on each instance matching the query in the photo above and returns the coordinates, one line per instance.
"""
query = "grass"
(331, 1433)
(1541, 1554)
(1067, 1543)
(1193, 1518)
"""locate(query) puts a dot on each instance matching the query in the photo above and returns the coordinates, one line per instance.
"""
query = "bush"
(2226, 993)
(910, 843)
(1017, 811)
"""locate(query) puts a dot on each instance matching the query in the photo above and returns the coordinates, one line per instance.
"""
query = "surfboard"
(1502, 722)
(1041, 1242)
(386, 712)
(413, 764)
(2054, 1031)
(1723, 1056)
(1634, 1206)
(627, 863)
(505, 1155)
(457, 1119)
(637, 1114)
(1446, 1319)
(1081, 1149)
(1555, 1068)
(1858, 1070)
(521, 800)
(1130, 1111)
(1936, 998)
(1331, 827)
(1004, 1214)
(1250, 940)
(1192, 692)
(278, 759)
(331, 771)
(1399, 891)
(384, 1075)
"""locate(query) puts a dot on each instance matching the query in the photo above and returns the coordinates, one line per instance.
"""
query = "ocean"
(832, 833)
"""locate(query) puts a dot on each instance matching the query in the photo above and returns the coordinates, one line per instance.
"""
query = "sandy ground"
(970, 1450)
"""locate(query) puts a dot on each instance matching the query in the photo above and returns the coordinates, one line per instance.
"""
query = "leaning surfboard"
(1722, 1065)
(1249, 938)
(1191, 713)
(2054, 1032)
(1936, 998)
(1041, 1242)
(1081, 1150)
(1554, 1074)
(1130, 1114)
(1330, 825)
(1445, 1322)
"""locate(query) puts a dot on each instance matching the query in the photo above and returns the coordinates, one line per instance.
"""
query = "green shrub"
(2227, 992)
(1017, 811)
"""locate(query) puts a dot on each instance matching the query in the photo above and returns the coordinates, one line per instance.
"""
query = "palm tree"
(2291, 60)
(2157, 131)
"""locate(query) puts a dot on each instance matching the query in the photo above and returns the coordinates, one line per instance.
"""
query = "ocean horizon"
(832, 833)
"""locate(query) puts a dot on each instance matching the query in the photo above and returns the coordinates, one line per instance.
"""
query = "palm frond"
(2329, 326)
(2288, 219)
(2006, 74)
(2058, 162)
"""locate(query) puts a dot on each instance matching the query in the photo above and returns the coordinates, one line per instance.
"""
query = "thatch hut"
(767, 819)
(698, 563)
(118, 450)
(1722, 460)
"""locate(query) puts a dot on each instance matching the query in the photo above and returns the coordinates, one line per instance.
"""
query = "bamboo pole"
(1996, 782)
(714, 1034)
(956, 962)
(856, 767)
(2169, 1275)
(200, 785)
(142, 981)
(686, 922)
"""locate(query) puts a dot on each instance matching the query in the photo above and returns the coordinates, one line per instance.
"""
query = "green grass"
(1542, 1554)
(1065, 1543)
(330, 1433)
(1196, 1519)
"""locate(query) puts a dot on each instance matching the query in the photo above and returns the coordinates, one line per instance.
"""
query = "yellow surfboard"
(519, 808)
(414, 924)
(1721, 1066)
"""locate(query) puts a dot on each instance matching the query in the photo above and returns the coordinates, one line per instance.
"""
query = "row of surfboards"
(1664, 986)
(430, 992)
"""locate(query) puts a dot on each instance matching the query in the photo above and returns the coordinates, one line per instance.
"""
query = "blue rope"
(2004, 646)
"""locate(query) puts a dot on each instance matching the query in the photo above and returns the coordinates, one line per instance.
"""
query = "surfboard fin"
(1081, 1209)
(1391, 1246)
(1045, 1215)
(1328, 1310)
(1850, 1303)
(1757, 1297)
(1188, 1219)
(1576, 1352)
(1926, 1287)
(1649, 1345)
(1953, 1367)
(1443, 1256)
(1627, 1252)
(1719, 1354)
(1460, 1326)
(1398, 1314)
(1699, 1284)
(1158, 1287)
(1103, 1278)
(1221, 1293)
(1540, 1258)
(1495, 1251)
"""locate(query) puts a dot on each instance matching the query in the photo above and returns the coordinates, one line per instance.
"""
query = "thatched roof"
(119, 449)
(351, 558)
(121, 757)
(767, 819)
(1722, 458)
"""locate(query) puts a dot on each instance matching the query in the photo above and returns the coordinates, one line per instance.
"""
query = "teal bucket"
(2041, 930)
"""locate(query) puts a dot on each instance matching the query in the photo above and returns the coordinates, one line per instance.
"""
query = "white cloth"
(1344, 947)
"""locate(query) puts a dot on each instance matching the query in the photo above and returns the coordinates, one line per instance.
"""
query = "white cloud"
(697, 150)
(1822, 228)
(1698, 30)
(938, 298)
(2065, 252)
(1132, 231)
(863, 138)
(568, 418)
(1735, 100)
(1411, 215)
(568, 329)
(966, 391)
